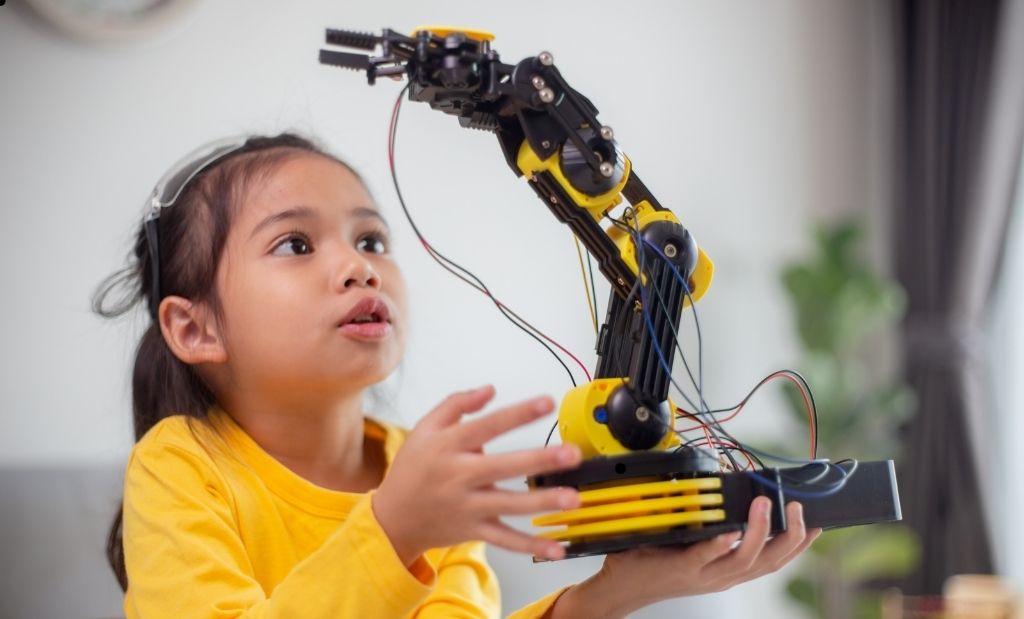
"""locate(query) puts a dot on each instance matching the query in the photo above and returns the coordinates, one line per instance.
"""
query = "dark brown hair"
(192, 234)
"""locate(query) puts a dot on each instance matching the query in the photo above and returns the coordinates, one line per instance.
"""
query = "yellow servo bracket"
(443, 31)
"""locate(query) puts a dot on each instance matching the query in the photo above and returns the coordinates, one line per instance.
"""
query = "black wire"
(744, 401)
(551, 433)
(829, 487)
(734, 447)
(445, 261)
(714, 419)
(794, 374)
(678, 347)
(622, 317)
(641, 255)
(751, 392)
(825, 468)
(593, 290)
(715, 426)
(454, 268)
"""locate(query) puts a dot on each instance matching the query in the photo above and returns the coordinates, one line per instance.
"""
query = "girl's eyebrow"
(364, 212)
(305, 212)
(299, 212)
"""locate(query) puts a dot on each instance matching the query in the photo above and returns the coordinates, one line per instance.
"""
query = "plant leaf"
(880, 552)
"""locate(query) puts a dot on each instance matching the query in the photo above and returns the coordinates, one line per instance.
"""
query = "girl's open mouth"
(368, 319)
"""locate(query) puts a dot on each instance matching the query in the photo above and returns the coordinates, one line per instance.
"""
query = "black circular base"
(679, 464)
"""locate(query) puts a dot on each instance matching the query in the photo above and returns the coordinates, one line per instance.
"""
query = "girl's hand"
(633, 579)
(440, 489)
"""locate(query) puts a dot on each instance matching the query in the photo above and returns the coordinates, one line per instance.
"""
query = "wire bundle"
(462, 273)
(832, 477)
(713, 435)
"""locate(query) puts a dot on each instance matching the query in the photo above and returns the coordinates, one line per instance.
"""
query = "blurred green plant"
(840, 304)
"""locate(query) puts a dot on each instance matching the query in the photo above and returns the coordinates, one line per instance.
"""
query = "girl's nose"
(357, 272)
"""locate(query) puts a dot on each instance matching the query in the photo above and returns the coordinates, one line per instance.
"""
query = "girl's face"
(311, 298)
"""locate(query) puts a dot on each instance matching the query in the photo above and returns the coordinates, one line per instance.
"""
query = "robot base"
(679, 498)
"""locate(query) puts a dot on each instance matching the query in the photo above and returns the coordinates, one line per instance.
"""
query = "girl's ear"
(191, 331)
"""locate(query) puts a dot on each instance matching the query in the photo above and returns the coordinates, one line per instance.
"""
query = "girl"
(259, 488)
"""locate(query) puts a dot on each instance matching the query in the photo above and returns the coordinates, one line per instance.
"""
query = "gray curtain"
(959, 123)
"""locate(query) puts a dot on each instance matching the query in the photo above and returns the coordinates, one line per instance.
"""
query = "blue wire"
(657, 347)
(693, 308)
(638, 242)
(664, 364)
(789, 491)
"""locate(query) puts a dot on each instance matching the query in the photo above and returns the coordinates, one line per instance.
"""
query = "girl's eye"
(372, 243)
(294, 245)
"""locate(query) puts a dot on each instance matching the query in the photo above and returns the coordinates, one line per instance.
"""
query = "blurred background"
(848, 162)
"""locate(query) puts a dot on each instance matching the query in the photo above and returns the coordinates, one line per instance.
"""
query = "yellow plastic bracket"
(576, 423)
(443, 31)
(643, 215)
(530, 163)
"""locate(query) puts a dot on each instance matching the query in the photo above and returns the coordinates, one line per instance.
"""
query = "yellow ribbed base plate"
(625, 509)
(655, 488)
(637, 508)
(640, 524)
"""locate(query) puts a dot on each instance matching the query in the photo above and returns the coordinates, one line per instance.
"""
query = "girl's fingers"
(452, 408)
(809, 535)
(707, 552)
(492, 468)
(742, 559)
(511, 503)
(500, 534)
(786, 545)
(475, 433)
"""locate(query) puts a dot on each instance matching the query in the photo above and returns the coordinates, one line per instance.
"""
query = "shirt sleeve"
(539, 609)
(185, 557)
(467, 588)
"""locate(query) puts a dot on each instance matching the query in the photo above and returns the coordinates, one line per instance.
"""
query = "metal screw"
(606, 169)
(546, 59)
(538, 82)
(642, 414)
(621, 281)
(606, 132)
(547, 95)
(554, 200)
(670, 250)
(545, 144)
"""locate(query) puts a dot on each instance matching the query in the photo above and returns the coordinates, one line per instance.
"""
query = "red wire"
(800, 388)
(701, 425)
(707, 433)
(430, 248)
(730, 445)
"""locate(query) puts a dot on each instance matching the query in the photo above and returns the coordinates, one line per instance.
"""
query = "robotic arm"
(638, 484)
(550, 134)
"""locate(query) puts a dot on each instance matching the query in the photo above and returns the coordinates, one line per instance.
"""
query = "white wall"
(749, 119)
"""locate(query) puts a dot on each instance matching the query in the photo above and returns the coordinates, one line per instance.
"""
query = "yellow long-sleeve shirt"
(214, 527)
